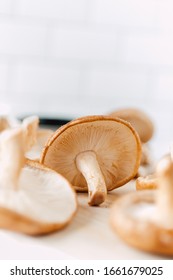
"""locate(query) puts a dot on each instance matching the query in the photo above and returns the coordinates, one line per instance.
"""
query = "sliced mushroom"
(97, 153)
(33, 199)
(145, 219)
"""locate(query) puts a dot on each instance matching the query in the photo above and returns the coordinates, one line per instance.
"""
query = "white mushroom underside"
(113, 143)
(147, 212)
(143, 210)
(41, 196)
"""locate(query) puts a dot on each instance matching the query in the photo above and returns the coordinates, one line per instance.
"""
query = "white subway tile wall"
(127, 13)
(54, 9)
(5, 7)
(3, 76)
(77, 57)
(20, 38)
(84, 43)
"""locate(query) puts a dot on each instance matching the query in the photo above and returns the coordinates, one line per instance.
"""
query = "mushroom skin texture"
(144, 219)
(95, 153)
(138, 119)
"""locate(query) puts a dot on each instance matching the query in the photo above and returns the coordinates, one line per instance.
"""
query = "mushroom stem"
(3, 123)
(165, 193)
(88, 165)
(11, 158)
(30, 126)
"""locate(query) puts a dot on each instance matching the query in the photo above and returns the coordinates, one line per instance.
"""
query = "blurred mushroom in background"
(145, 129)
(144, 219)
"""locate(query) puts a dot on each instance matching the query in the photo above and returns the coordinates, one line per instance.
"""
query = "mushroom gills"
(33, 199)
(36, 201)
(95, 153)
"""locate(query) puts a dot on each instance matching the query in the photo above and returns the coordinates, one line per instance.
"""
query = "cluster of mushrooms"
(42, 170)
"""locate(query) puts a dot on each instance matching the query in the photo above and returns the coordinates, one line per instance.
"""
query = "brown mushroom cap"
(114, 142)
(139, 120)
(132, 218)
